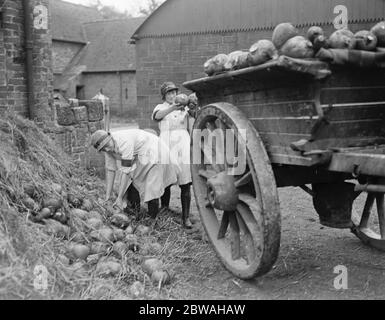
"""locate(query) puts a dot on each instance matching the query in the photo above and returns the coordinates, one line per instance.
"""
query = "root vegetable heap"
(286, 40)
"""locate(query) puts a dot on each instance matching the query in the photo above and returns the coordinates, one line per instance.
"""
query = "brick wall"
(119, 87)
(63, 53)
(181, 58)
(13, 90)
(12, 80)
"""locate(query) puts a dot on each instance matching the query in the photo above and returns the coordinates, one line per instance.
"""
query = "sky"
(132, 6)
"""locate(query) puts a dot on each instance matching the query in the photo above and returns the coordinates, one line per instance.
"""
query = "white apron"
(173, 132)
(149, 176)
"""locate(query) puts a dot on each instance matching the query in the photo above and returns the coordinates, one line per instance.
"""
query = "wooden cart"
(307, 124)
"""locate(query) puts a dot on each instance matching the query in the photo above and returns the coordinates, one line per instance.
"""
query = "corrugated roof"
(109, 48)
(68, 19)
(182, 17)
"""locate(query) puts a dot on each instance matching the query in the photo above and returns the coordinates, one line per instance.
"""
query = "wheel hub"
(221, 192)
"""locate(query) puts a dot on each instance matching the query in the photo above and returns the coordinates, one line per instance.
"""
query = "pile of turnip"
(95, 234)
(287, 40)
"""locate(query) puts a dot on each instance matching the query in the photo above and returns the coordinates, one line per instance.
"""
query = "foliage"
(109, 12)
(150, 7)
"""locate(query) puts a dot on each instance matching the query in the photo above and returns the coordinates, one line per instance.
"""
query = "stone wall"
(75, 121)
(181, 58)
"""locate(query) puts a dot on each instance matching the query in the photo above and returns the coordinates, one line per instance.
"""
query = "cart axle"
(376, 188)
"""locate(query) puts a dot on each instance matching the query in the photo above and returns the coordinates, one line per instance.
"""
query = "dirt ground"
(304, 270)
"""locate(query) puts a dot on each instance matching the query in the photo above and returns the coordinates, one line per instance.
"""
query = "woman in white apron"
(173, 124)
(137, 152)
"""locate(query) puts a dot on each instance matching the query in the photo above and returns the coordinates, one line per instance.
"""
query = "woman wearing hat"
(173, 124)
(137, 153)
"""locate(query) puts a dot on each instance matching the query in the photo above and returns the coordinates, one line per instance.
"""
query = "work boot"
(186, 200)
(153, 208)
(186, 222)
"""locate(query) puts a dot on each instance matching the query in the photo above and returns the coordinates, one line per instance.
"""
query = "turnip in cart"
(307, 123)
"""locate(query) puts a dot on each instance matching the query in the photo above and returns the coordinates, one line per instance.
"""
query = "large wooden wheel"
(369, 226)
(239, 209)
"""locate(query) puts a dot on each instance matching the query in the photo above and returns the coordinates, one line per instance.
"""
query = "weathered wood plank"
(278, 143)
(281, 139)
(345, 129)
(276, 94)
(351, 94)
(285, 125)
(367, 164)
(355, 111)
(274, 110)
(290, 160)
(335, 129)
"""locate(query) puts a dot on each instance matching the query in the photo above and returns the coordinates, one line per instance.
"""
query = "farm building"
(68, 37)
(175, 41)
(90, 54)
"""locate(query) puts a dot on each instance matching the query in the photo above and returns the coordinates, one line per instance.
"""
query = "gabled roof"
(68, 19)
(108, 45)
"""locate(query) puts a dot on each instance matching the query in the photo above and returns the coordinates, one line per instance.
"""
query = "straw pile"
(52, 217)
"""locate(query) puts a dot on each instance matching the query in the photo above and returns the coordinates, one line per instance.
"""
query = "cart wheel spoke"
(221, 158)
(235, 237)
(252, 203)
(210, 157)
(248, 242)
(381, 214)
(224, 225)
(207, 174)
(216, 159)
(367, 210)
(244, 180)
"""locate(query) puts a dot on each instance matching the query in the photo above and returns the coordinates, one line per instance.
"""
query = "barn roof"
(68, 19)
(183, 17)
(109, 48)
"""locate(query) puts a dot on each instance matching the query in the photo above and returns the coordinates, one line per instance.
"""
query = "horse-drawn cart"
(309, 124)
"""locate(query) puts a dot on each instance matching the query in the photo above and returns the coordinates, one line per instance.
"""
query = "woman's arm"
(159, 115)
(125, 180)
(110, 178)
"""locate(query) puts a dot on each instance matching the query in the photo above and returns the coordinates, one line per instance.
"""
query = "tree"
(109, 12)
(150, 7)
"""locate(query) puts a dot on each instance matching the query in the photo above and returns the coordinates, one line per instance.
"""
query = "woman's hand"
(179, 107)
(174, 107)
(104, 202)
(118, 203)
